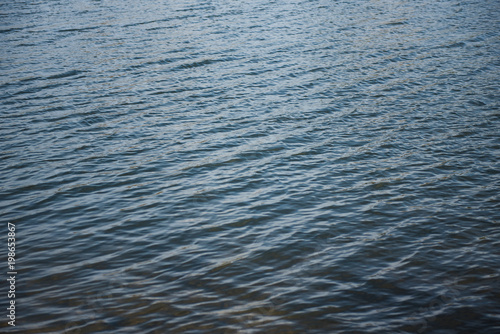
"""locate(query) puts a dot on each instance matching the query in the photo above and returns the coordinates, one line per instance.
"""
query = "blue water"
(286, 166)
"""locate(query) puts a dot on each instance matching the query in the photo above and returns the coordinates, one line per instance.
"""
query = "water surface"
(283, 166)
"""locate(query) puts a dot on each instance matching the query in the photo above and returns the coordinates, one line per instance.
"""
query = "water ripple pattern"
(286, 166)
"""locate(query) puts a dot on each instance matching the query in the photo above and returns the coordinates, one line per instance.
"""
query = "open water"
(219, 166)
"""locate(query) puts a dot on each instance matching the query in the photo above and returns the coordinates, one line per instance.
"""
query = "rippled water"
(286, 166)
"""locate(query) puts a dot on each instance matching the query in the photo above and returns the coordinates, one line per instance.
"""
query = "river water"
(287, 166)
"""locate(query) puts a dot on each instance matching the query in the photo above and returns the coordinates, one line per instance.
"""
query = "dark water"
(252, 166)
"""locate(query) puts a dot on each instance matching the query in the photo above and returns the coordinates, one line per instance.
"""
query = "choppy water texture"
(282, 166)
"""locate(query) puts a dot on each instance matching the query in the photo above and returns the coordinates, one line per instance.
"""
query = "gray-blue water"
(287, 166)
